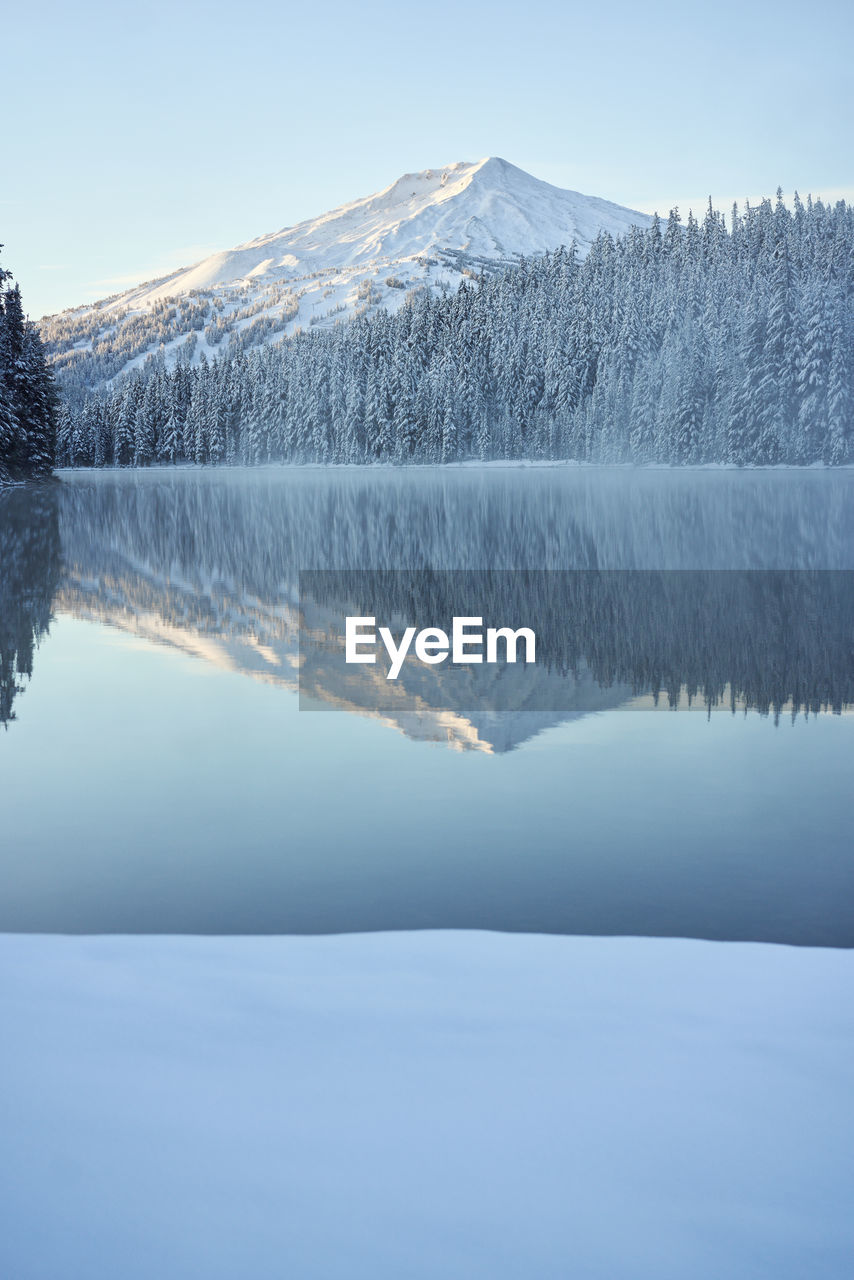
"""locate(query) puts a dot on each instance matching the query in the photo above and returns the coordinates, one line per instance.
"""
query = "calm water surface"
(158, 775)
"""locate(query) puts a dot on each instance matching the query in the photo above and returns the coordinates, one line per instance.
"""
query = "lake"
(180, 756)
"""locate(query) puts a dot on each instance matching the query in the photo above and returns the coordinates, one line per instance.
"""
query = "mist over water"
(260, 527)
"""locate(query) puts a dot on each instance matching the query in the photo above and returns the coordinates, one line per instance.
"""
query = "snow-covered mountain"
(426, 230)
(489, 210)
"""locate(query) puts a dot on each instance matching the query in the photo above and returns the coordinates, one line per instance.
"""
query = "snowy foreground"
(433, 1105)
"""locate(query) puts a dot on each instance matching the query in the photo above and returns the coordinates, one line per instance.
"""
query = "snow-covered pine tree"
(27, 397)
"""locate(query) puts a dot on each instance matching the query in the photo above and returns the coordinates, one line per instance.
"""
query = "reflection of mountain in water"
(209, 562)
(29, 576)
(263, 642)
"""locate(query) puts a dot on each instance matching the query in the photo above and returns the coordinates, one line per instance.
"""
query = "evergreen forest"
(715, 341)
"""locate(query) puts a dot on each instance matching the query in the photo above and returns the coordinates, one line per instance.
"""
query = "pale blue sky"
(144, 137)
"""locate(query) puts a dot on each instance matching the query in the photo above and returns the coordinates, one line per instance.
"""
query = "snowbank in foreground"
(433, 1105)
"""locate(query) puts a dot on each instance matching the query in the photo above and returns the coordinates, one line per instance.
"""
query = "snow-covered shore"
(424, 1105)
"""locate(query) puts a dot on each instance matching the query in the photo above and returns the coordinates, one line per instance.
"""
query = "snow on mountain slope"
(425, 230)
(489, 209)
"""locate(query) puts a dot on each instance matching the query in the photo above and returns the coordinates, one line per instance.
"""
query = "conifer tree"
(27, 395)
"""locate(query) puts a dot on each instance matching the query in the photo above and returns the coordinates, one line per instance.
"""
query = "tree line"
(678, 343)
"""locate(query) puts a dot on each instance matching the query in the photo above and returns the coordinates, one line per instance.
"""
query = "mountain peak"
(488, 208)
(497, 165)
(422, 231)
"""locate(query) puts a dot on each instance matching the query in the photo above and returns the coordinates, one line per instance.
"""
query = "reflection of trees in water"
(254, 532)
(213, 549)
(759, 638)
(29, 577)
